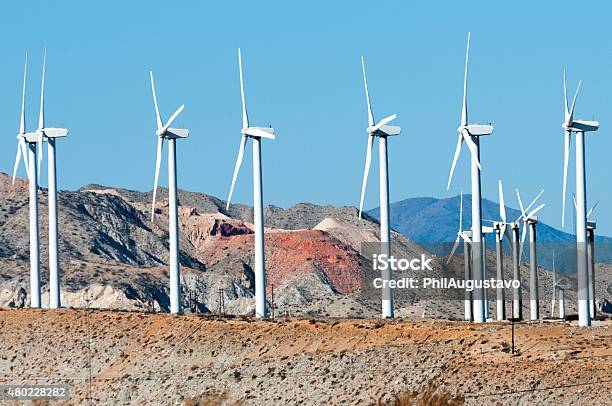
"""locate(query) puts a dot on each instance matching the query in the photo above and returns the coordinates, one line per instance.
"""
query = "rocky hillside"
(113, 256)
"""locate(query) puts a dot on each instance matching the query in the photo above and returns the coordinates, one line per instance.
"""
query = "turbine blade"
(157, 116)
(464, 112)
(455, 246)
(365, 82)
(383, 122)
(575, 204)
(472, 146)
(38, 157)
(236, 169)
(455, 158)
(566, 143)
(245, 117)
(592, 208)
(23, 91)
(41, 114)
(366, 170)
(24, 154)
(571, 113)
(461, 212)
(524, 233)
(17, 160)
(502, 204)
(171, 119)
(565, 98)
(534, 200)
(537, 209)
(160, 147)
(518, 195)
(504, 232)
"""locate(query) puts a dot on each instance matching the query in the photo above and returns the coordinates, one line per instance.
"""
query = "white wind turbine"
(165, 132)
(256, 134)
(470, 133)
(591, 226)
(530, 220)
(501, 231)
(579, 127)
(465, 236)
(381, 130)
(49, 135)
(30, 142)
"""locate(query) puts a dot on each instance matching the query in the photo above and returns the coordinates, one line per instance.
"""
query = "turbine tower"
(465, 236)
(30, 142)
(591, 226)
(50, 135)
(579, 127)
(256, 134)
(381, 130)
(501, 231)
(165, 132)
(470, 133)
(530, 220)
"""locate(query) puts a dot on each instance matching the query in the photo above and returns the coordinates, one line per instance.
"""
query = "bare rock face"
(227, 229)
(604, 305)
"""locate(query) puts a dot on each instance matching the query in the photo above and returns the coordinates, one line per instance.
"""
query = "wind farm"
(459, 282)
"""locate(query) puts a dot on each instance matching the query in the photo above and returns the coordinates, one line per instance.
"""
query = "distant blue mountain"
(430, 222)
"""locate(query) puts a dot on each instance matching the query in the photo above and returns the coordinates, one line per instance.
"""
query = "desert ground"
(117, 358)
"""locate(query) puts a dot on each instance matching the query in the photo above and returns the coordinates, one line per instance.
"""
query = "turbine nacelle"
(581, 126)
(173, 133)
(53, 132)
(31, 137)
(477, 130)
(259, 132)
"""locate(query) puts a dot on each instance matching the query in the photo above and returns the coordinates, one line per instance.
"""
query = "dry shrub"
(429, 396)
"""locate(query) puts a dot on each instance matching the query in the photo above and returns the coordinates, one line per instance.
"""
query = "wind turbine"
(591, 226)
(256, 134)
(530, 220)
(165, 132)
(381, 130)
(579, 127)
(465, 236)
(31, 143)
(501, 231)
(50, 134)
(470, 133)
(557, 286)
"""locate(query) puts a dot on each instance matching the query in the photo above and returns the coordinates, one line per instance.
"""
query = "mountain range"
(433, 223)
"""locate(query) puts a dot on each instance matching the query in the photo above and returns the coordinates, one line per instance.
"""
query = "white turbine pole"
(584, 317)
(467, 268)
(591, 263)
(477, 246)
(500, 305)
(534, 302)
(517, 304)
(561, 303)
(175, 282)
(385, 234)
(54, 277)
(485, 275)
(34, 237)
(260, 274)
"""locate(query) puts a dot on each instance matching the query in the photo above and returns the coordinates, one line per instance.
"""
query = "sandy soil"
(139, 358)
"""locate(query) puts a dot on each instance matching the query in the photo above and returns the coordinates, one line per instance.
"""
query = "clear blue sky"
(302, 67)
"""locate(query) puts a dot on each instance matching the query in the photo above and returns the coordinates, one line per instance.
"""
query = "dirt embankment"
(138, 358)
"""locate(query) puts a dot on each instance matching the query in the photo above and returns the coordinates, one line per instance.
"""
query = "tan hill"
(138, 359)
